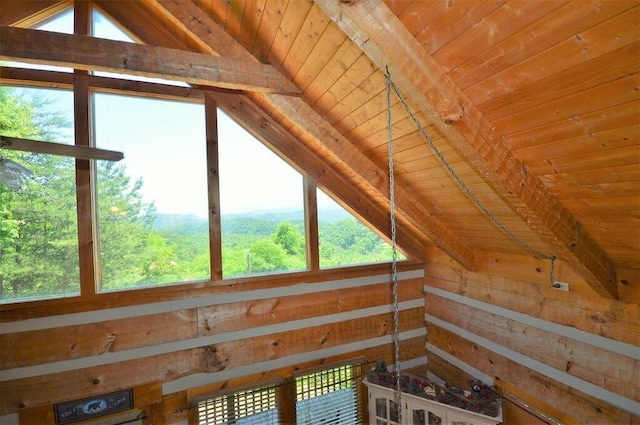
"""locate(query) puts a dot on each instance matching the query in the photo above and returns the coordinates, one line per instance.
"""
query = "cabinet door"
(419, 414)
(384, 412)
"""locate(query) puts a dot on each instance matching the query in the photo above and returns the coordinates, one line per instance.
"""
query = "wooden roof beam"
(387, 42)
(23, 13)
(95, 54)
(216, 40)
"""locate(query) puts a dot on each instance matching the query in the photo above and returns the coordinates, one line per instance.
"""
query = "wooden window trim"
(90, 298)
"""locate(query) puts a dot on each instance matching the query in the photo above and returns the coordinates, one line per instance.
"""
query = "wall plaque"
(91, 407)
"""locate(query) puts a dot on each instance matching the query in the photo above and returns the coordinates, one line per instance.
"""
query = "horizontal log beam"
(58, 306)
(96, 54)
(94, 339)
(581, 406)
(54, 387)
(613, 319)
(615, 372)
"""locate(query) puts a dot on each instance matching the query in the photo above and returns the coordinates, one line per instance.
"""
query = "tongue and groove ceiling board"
(541, 99)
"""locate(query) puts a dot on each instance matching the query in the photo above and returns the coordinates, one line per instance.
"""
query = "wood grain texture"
(472, 133)
(46, 389)
(613, 319)
(93, 54)
(614, 372)
(582, 407)
(231, 317)
(23, 311)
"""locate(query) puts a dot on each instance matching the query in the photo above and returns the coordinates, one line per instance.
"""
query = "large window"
(38, 222)
(144, 221)
(152, 206)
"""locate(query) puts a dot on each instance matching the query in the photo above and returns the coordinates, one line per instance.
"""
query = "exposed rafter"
(189, 16)
(369, 24)
(95, 54)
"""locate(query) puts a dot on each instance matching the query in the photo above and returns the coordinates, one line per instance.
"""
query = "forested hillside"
(137, 245)
(273, 241)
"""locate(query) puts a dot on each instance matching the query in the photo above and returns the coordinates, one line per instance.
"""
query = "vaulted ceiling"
(533, 107)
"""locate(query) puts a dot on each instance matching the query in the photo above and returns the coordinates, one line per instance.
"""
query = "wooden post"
(84, 178)
(286, 394)
(213, 178)
(311, 222)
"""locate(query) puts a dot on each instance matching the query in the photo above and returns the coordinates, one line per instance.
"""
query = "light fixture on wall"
(14, 175)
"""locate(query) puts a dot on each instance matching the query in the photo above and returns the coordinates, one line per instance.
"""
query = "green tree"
(290, 238)
(36, 243)
(129, 254)
(38, 224)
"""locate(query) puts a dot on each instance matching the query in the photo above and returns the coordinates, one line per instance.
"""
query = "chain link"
(463, 186)
(394, 251)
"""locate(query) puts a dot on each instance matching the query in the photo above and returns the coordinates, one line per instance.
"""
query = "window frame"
(273, 384)
(355, 364)
(284, 381)
(83, 84)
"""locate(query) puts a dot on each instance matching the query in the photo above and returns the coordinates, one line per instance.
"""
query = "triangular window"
(262, 206)
(61, 22)
(104, 27)
(344, 239)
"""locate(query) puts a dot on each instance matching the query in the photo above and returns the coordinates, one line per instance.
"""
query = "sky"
(164, 144)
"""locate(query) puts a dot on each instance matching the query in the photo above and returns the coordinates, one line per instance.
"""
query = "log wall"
(574, 352)
(172, 351)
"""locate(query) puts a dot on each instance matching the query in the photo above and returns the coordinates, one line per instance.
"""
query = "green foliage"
(348, 242)
(289, 237)
(17, 115)
(137, 247)
(38, 237)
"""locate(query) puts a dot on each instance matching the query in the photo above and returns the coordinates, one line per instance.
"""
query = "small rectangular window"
(328, 397)
(257, 406)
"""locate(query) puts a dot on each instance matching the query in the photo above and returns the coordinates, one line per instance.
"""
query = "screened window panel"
(328, 397)
(249, 407)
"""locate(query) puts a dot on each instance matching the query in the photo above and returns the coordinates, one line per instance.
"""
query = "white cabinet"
(383, 410)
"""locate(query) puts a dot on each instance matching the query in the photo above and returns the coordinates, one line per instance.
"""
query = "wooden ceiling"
(534, 106)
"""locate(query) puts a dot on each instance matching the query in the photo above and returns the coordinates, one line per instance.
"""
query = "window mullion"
(84, 179)
(213, 179)
(311, 222)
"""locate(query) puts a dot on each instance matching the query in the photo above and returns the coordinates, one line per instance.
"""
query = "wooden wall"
(171, 351)
(574, 352)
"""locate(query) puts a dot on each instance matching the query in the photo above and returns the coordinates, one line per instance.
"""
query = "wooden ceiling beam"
(387, 42)
(195, 21)
(95, 54)
(23, 13)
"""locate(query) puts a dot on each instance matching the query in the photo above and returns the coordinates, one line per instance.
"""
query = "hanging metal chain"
(394, 252)
(461, 183)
